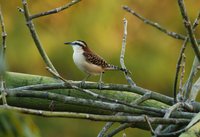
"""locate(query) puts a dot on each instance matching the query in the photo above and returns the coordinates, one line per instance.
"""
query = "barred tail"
(113, 67)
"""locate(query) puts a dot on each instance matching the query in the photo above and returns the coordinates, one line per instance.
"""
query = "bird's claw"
(100, 84)
(82, 84)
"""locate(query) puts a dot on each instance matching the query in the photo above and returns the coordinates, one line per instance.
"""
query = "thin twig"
(195, 90)
(143, 98)
(105, 129)
(149, 124)
(118, 129)
(154, 24)
(56, 10)
(182, 76)
(3, 92)
(195, 24)
(36, 37)
(125, 125)
(188, 84)
(2, 60)
(167, 115)
(4, 34)
(108, 125)
(128, 78)
(178, 65)
(128, 119)
(188, 26)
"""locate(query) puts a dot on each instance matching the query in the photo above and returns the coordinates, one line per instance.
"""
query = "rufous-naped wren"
(89, 62)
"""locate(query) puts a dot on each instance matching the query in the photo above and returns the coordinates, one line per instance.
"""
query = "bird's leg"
(83, 81)
(100, 83)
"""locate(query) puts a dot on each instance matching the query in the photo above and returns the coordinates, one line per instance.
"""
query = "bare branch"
(195, 24)
(35, 36)
(92, 85)
(105, 129)
(188, 84)
(56, 10)
(182, 75)
(128, 78)
(167, 115)
(195, 90)
(128, 119)
(154, 24)
(149, 124)
(4, 34)
(178, 66)
(98, 96)
(188, 26)
(2, 60)
(120, 128)
(145, 97)
(3, 92)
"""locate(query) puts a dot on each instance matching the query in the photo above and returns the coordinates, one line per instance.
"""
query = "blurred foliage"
(150, 55)
(15, 125)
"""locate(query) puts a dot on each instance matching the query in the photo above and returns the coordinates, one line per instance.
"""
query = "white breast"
(83, 65)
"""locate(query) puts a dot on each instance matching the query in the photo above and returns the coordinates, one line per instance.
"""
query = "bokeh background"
(150, 54)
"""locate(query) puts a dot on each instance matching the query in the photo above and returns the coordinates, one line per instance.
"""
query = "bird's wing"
(95, 59)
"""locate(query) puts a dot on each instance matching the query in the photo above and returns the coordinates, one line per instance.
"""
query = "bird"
(89, 62)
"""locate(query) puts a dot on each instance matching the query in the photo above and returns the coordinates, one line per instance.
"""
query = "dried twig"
(118, 129)
(195, 24)
(56, 10)
(3, 92)
(128, 119)
(167, 115)
(195, 90)
(143, 98)
(149, 124)
(154, 24)
(128, 78)
(178, 65)
(105, 129)
(182, 76)
(4, 34)
(188, 84)
(35, 36)
(188, 26)
(2, 60)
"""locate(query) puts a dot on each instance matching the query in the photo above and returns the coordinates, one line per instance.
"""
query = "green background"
(150, 55)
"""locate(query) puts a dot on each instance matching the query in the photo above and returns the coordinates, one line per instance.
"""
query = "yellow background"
(150, 54)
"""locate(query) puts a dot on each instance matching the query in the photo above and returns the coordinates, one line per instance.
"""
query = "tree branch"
(188, 84)
(188, 26)
(195, 90)
(128, 78)
(128, 119)
(88, 85)
(120, 128)
(154, 24)
(35, 36)
(4, 34)
(195, 24)
(56, 10)
(97, 96)
(2, 60)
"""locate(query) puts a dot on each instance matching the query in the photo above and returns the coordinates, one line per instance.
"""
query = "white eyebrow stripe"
(79, 43)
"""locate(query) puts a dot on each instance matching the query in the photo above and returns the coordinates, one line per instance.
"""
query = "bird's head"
(78, 45)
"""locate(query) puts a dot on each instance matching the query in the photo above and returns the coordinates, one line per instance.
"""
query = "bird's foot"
(82, 83)
(100, 84)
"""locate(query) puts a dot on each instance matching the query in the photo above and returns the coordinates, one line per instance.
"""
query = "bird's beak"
(68, 43)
